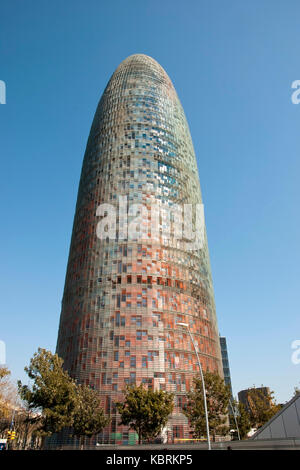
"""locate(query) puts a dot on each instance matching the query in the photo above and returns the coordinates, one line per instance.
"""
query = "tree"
(145, 411)
(261, 405)
(52, 395)
(217, 397)
(4, 373)
(88, 416)
(5, 389)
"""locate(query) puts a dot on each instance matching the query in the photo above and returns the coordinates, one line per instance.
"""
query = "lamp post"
(234, 417)
(185, 325)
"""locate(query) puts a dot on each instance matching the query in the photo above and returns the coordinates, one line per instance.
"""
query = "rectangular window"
(132, 361)
(132, 377)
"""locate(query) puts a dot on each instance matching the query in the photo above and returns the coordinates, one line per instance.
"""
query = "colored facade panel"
(124, 297)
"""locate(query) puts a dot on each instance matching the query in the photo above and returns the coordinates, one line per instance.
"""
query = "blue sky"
(232, 64)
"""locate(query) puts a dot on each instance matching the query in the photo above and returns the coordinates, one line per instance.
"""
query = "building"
(225, 363)
(131, 276)
(245, 397)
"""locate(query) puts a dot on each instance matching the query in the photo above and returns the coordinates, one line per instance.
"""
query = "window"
(132, 361)
(132, 377)
(116, 355)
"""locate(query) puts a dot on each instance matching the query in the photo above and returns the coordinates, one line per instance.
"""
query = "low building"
(245, 396)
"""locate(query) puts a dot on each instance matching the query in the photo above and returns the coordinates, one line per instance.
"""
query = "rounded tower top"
(142, 65)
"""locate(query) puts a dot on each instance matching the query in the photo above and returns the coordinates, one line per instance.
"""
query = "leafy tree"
(261, 405)
(88, 416)
(52, 395)
(4, 392)
(4, 373)
(26, 426)
(146, 411)
(217, 397)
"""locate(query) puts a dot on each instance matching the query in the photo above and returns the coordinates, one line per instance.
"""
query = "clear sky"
(232, 64)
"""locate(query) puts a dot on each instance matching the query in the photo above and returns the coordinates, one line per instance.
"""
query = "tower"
(225, 362)
(130, 281)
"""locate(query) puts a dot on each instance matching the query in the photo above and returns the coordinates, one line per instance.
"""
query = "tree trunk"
(43, 438)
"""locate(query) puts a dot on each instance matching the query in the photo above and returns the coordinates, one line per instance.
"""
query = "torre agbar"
(125, 294)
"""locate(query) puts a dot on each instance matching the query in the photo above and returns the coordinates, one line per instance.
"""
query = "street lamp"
(185, 325)
(234, 417)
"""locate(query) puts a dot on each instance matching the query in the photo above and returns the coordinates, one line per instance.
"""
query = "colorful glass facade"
(124, 298)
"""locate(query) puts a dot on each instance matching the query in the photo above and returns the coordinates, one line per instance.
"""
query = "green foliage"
(57, 402)
(88, 417)
(217, 397)
(145, 411)
(52, 395)
(262, 406)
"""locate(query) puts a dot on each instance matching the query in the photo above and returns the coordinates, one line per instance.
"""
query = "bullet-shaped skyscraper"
(131, 281)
